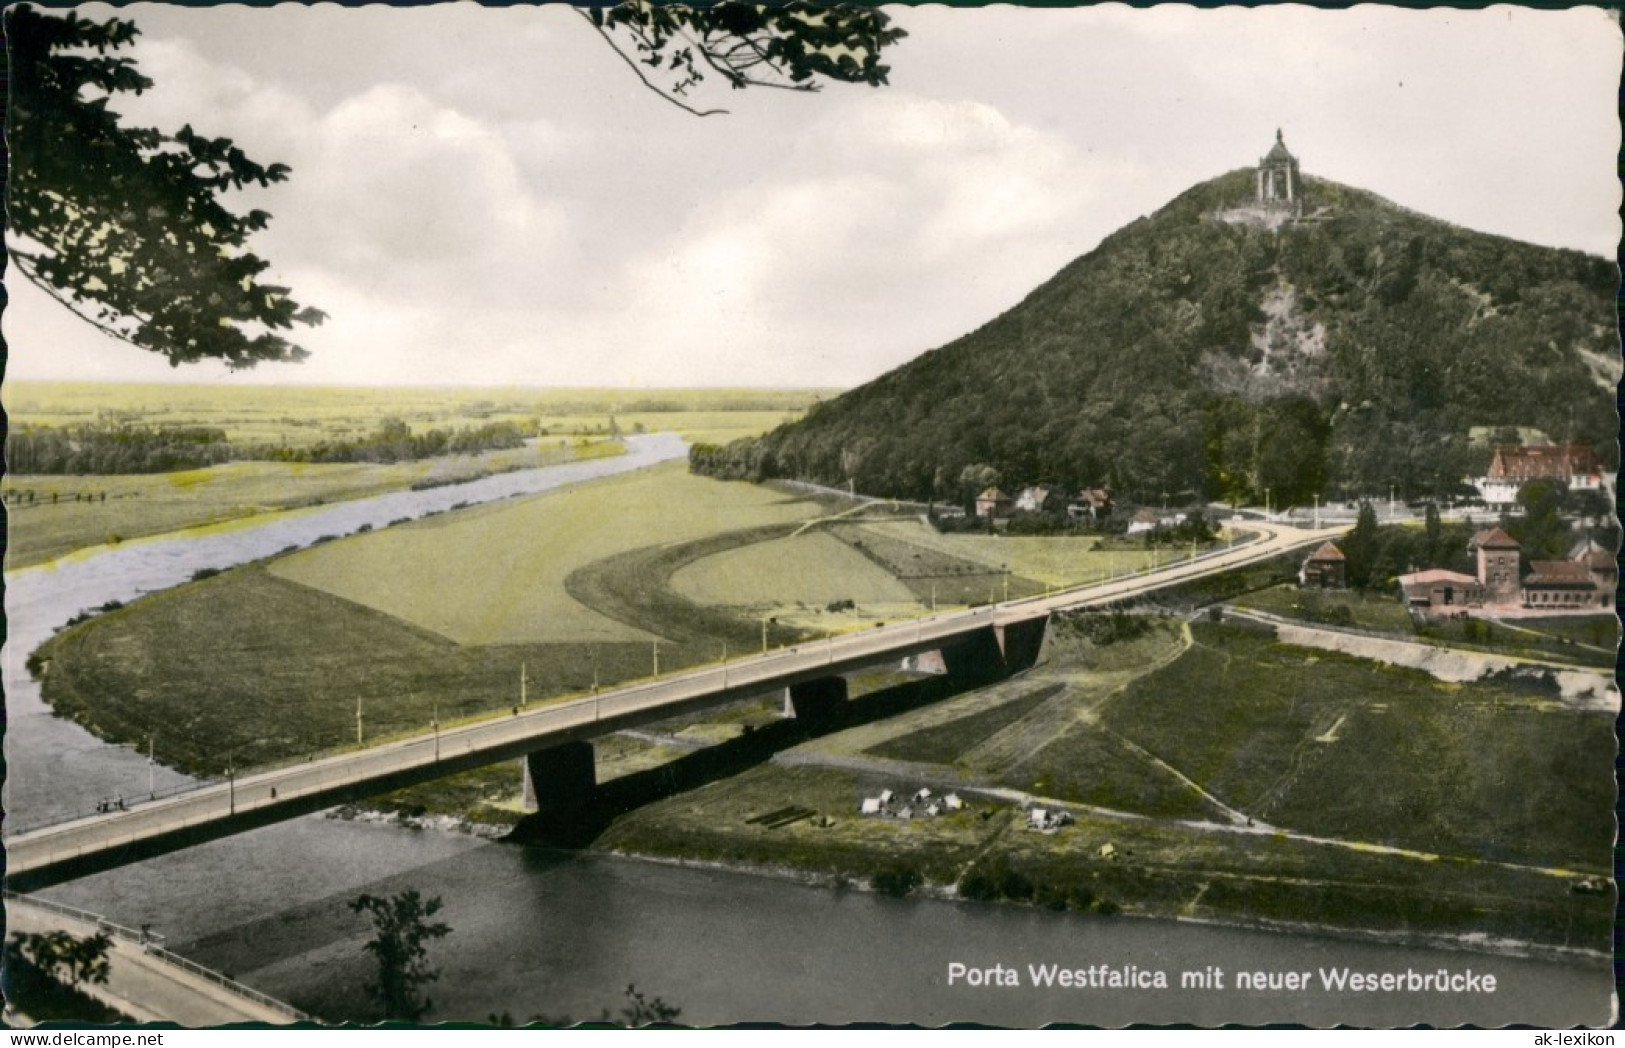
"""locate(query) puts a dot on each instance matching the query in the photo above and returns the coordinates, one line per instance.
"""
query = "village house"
(1144, 520)
(1325, 568)
(1092, 504)
(1515, 465)
(993, 504)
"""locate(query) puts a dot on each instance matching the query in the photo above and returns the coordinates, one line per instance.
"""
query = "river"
(543, 932)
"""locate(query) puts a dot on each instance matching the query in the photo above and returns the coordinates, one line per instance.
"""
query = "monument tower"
(1279, 184)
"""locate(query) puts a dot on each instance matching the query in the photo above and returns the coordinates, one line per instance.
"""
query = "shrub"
(976, 884)
(897, 880)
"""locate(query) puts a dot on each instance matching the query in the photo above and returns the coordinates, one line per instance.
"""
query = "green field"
(67, 513)
(813, 567)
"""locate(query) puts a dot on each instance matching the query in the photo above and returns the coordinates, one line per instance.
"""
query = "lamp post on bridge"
(152, 786)
(434, 722)
(231, 783)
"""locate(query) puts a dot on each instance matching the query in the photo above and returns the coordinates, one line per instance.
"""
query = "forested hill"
(1194, 351)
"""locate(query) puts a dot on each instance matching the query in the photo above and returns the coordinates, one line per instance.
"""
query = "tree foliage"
(401, 931)
(125, 225)
(70, 959)
(791, 46)
(1142, 366)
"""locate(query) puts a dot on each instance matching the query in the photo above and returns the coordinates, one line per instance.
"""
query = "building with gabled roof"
(1325, 568)
(993, 504)
(1514, 465)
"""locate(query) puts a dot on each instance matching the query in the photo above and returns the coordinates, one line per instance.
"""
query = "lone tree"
(401, 929)
(124, 225)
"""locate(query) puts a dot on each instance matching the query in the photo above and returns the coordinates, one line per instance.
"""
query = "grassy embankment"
(1585, 640)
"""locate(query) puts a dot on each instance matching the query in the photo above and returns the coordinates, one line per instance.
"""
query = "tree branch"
(634, 67)
(24, 266)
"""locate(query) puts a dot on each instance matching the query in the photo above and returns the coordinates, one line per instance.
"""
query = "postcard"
(916, 515)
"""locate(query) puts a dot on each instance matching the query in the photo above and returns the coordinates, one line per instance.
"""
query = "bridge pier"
(560, 777)
(815, 700)
(1021, 642)
(995, 653)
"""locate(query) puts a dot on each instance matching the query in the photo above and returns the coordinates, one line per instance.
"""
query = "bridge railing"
(152, 945)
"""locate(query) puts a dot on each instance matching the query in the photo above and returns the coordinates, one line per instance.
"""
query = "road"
(147, 987)
(79, 846)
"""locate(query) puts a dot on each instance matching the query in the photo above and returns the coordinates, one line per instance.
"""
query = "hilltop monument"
(1279, 184)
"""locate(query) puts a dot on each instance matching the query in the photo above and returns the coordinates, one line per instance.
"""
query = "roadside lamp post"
(1317, 511)
(724, 664)
(358, 721)
(764, 636)
(1266, 503)
(231, 784)
(434, 722)
(657, 658)
(152, 787)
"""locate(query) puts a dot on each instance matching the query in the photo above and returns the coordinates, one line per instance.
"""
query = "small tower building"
(1279, 184)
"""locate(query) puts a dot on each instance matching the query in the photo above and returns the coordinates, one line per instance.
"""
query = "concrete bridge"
(976, 645)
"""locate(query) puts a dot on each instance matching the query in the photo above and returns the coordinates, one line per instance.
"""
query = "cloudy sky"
(487, 196)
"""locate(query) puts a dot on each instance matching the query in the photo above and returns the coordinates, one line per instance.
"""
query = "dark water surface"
(550, 933)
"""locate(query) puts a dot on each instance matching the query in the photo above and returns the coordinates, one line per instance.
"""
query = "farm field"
(62, 514)
(1046, 560)
(1586, 640)
(496, 574)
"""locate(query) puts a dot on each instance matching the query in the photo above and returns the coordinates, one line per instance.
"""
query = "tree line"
(99, 448)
